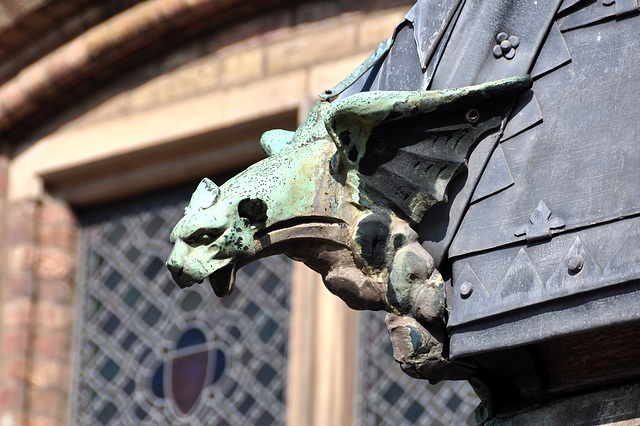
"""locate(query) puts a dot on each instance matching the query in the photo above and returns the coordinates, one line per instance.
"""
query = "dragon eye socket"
(203, 237)
(206, 238)
(253, 209)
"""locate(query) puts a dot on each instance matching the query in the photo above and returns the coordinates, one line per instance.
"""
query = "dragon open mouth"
(223, 280)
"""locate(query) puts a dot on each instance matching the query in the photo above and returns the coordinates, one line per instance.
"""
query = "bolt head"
(466, 288)
(575, 264)
(472, 116)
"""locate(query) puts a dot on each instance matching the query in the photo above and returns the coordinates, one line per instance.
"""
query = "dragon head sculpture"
(210, 244)
(342, 194)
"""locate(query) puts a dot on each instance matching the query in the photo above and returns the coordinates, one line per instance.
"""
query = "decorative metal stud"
(466, 288)
(506, 46)
(575, 264)
(472, 116)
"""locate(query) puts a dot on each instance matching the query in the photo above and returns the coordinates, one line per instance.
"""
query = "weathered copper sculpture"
(325, 196)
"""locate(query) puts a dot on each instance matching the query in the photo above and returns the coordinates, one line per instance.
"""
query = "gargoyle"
(341, 194)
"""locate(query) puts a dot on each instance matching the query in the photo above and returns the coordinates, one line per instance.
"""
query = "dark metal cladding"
(581, 165)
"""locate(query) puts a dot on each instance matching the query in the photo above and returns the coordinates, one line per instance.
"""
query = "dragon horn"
(205, 195)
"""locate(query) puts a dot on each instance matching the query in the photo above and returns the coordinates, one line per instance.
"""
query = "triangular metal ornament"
(625, 259)
(469, 291)
(553, 55)
(496, 176)
(520, 278)
(525, 114)
(542, 224)
(577, 269)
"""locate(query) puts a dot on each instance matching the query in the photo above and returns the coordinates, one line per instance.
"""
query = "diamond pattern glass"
(140, 340)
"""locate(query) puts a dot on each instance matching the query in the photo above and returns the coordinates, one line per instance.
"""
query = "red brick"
(20, 232)
(53, 345)
(53, 316)
(34, 81)
(3, 180)
(76, 55)
(65, 377)
(57, 68)
(15, 101)
(61, 291)
(10, 396)
(46, 404)
(55, 264)
(46, 374)
(60, 236)
(18, 285)
(16, 313)
(16, 418)
(56, 212)
(14, 341)
(14, 368)
(20, 260)
(44, 421)
(25, 211)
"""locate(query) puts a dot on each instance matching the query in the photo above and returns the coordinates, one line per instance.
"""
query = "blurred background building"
(111, 111)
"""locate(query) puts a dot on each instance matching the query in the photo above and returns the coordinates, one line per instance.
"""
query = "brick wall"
(296, 39)
(36, 305)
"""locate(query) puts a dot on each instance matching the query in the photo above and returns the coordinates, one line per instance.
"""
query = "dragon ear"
(274, 141)
(205, 195)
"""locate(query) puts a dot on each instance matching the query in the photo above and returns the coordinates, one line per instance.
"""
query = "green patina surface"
(325, 181)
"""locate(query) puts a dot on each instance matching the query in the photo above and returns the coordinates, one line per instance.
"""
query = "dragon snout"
(176, 270)
(178, 273)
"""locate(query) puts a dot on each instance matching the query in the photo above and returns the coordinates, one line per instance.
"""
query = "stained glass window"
(389, 397)
(148, 352)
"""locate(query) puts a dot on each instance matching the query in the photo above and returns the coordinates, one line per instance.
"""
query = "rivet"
(328, 92)
(466, 288)
(506, 46)
(472, 116)
(575, 264)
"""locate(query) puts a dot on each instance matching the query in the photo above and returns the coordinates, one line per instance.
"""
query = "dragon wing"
(407, 146)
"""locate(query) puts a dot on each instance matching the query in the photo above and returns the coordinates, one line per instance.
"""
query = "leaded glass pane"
(389, 397)
(147, 352)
